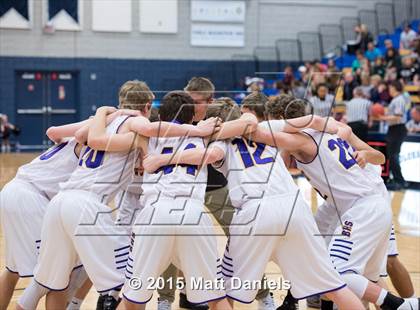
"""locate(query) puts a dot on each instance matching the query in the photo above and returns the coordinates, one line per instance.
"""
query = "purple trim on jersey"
(118, 128)
(317, 151)
(323, 292)
(207, 301)
(333, 255)
(348, 270)
(137, 302)
(115, 288)
(121, 261)
(339, 251)
(74, 150)
(236, 299)
(51, 289)
(119, 249)
(227, 263)
(342, 246)
(392, 255)
(25, 276)
(123, 254)
(341, 240)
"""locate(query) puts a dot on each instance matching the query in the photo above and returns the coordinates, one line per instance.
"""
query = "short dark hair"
(397, 85)
(200, 85)
(177, 106)
(286, 107)
(256, 103)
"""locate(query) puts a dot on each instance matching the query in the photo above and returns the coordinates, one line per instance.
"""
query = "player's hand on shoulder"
(209, 126)
(361, 158)
(344, 131)
(151, 163)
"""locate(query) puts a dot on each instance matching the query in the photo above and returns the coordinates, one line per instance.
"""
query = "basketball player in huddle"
(265, 184)
(358, 247)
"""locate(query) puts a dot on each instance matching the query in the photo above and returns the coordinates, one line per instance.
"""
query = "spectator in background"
(322, 103)
(390, 46)
(358, 62)
(396, 118)
(363, 37)
(333, 75)
(357, 113)
(410, 70)
(299, 90)
(413, 125)
(385, 97)
(349, 85)
(372, 52)
(288, 76)
(365, 85)
(6, 129)
(378, 67)
(304, 74)
(407, 37)
(375, 80)
(392, 58)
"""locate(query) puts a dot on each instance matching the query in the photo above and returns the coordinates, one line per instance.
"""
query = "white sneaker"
(267, 303)
(164, 304)
(410, 304)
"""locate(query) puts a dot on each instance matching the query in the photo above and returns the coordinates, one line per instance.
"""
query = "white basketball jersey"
(104, 173)
(50, 168)
(175, 180)
(334, 173)
(253, 170)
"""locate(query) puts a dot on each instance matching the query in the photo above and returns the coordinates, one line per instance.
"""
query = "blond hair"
(200, 85)
(225, 108)
(135, 95)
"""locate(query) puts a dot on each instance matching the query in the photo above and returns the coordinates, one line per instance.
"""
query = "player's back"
(334, 173)
(52, 167)
(254, 171)
(103, 173)
(173, 181)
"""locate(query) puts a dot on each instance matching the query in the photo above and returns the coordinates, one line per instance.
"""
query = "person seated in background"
(410, 70)
(413, 125)
(322, 103)
(358, 62)
(379, 67)
(350, 84)
(333, 75)
(407, 37)
(390, 46)
(365, 86)
(375, 80)
(372, 52)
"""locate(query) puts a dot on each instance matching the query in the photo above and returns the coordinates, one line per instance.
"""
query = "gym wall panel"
(159, 16)
(111, 15)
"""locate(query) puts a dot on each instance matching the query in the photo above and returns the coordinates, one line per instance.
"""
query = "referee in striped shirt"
(396, 118)
(322, 103)
(357, 111)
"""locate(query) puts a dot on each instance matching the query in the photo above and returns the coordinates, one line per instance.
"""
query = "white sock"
(115, 294)
(356, 283)
(77, 279)
(381, 297)
(31, 295)
(74, 304)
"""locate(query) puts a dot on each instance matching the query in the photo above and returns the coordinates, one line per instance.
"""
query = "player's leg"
(167, 293)
(76, 301)
(8, 281)
(90, 230)
(78, 289)
(400, 277)
(56, 300)
(218, 203)
(22, 211)
(312, 273)
(151, 254)
(201, 265)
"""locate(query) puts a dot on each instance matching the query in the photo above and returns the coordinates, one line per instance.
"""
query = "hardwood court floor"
(405, 205)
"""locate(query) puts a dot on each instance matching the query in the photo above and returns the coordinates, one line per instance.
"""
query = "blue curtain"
(19, 5)
(70, 6)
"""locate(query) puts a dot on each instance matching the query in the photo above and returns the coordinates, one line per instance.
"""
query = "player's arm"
(295, 125)
(100, 140)
(365, 153)
(244, 125)
(196, 156)
(58, 133)
(300, 145)
(143, 126)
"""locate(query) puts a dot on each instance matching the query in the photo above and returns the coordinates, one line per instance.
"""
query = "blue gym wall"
(110, 74)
